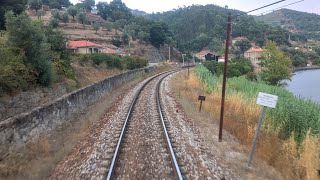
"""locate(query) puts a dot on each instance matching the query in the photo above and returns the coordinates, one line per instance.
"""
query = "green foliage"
(65, 17)
(276, 66)
(116, 41)
(82, 17)
(292, 20)
(36, 49)
(108, 25)
(73, 11)
(15, 75)
(118, 10)
(88, 4)
(236, 68)
(17, 6)
(158, 34)
(243, 45)
(35, 4)
(95, 26)
(114, 61)
(54, 22)
(103, 10)
(189, 23)
(55, 13)
(293, 115)
(125, 38)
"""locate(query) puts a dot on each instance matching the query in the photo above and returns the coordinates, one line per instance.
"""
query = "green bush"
(114, 61)
(15, 75)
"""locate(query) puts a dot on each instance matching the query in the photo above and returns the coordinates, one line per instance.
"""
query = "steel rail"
(116, 153)
(169, 146)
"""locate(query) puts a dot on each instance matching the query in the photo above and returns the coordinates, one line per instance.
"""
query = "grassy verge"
(290, 137)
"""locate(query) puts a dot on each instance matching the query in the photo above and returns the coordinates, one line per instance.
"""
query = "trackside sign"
(267, 100)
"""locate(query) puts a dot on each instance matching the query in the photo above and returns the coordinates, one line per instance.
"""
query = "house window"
(90, 50)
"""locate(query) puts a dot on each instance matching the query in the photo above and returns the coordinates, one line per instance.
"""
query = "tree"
(35, 4)
(73, 11)
(65, 17)
(54, 23)
(125, 38)
(95, 26)
(116, 41)
(276, 66)
(103, 10)
(108, 25)
(118, 10)
(158, 34)
(243, 45)
(17, 6)
(88, 4)
(55, 13)
(36, 49)
(82, 17)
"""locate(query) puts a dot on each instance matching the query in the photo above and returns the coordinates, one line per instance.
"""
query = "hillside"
(292, 20)
(197, 27)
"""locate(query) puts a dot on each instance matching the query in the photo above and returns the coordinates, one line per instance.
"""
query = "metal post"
(224, 76)
(254, 143)
(169, 54)
(188, 68)
(183, 59)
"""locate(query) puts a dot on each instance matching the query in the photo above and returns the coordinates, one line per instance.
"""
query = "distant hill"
(197, 27)
(138, 12)
(292, 20)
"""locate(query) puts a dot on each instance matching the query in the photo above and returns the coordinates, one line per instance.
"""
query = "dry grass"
(240, 120)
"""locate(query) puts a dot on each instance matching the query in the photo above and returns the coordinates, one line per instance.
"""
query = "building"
(84, 47)
(254, 54)
(238, 39)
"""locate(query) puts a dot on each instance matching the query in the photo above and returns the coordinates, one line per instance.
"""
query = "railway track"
(144, 149)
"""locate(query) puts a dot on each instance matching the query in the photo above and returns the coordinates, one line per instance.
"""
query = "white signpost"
(265, 100)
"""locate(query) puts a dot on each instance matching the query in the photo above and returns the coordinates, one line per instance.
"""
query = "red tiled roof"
(255, 49)
(77, 44)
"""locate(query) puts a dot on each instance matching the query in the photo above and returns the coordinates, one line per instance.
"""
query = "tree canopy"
(276, 66)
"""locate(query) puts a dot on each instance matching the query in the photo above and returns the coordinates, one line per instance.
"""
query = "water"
(306, 84)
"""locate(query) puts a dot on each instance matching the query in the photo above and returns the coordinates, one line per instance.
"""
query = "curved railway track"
(144, 149)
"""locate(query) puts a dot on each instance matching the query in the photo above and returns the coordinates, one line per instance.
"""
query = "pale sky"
(149, 6)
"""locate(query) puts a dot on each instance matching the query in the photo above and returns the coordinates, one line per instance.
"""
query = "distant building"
(238, 39)
(254, 54)
(84, 47)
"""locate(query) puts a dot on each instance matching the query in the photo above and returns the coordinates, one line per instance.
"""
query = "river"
(306, 84)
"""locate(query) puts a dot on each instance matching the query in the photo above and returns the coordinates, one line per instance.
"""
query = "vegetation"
(237, 67)
(115, 61)
(292, 20)
(73, 11)
(30, 60)
(88, 4)
(197, 27)
(276, 66)
(35, 4)
(289, 140)
(16, 6)
(82, 17)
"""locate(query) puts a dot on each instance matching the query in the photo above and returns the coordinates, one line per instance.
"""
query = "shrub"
(54, 22)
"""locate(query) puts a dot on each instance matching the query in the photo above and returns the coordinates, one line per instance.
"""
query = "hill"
(196, 27)
(292, 20)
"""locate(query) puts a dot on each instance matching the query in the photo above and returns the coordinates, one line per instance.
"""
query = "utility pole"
(224, 76)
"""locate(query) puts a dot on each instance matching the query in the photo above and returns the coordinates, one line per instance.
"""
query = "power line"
(260, 8)
(279, 7)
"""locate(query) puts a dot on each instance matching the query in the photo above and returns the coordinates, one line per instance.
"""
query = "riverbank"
(304, 68)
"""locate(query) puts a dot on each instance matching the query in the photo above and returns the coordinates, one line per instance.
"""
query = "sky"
(149, 6)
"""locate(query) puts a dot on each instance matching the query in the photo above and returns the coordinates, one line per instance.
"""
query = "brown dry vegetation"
(240, 120)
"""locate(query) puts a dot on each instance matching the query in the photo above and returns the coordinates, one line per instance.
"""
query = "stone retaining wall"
(24, 127)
